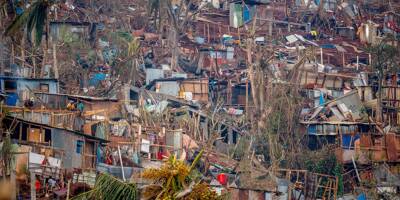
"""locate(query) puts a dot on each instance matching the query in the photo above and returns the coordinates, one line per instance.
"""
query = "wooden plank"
(33, 186)
(336, 188)
(34, 135)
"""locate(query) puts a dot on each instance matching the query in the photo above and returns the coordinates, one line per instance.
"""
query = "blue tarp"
(362, 196)
(12, 99)
(328, 46)
(312, 129)
(321, 99)
(96, 79)
(248, 13)
(19, 10)
(346, 139)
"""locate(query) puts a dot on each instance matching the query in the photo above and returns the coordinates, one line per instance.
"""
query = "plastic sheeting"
(96, 79)
(120, 128)
(12, 99)
(348, 141)
(101, 131)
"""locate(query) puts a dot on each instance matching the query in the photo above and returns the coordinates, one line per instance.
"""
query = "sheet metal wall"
(67, 141)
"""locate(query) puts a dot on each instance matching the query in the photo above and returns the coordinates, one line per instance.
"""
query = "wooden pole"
(208, 32)
(12, 54)
(247, 98)
(322, 56)
(336, 188)
(163, 131)
(355, 168)
(34, 66)
(270, 16)
(122, 165)
(33, 188)
(343, 60)
(23, 50)
(238, 31)
(68, 189)
(55, 13)
(13, 184)
(369, 59)
(2, 63)
(204, 30)
(139, 136)
(358, 62)
(229, 92)
(286, 10)
(44, 63)
(55, 67)
(305, 183)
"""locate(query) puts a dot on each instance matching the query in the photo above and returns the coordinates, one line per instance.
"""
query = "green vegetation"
(108, 187)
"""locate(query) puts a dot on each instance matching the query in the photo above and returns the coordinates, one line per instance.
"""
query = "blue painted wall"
(22, 84)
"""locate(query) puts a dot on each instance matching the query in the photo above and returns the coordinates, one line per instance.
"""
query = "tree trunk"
(55, 63)
(174, 47)
(2, 56)
(22, 48)
(379, 111)
(251, 75)
(85, 78)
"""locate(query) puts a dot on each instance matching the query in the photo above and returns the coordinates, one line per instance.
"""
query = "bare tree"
(385, 60)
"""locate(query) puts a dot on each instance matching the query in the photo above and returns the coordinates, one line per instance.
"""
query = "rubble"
(195, 99)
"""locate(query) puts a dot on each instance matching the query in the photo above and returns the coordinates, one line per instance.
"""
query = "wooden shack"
(78, 150)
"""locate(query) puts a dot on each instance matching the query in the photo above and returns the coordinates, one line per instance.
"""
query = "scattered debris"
(217, 99)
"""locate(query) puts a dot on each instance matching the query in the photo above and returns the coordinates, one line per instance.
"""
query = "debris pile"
(195, 99)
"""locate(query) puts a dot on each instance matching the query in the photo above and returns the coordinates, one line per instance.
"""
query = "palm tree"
(174, 180)
(34, 19)
(108, 187)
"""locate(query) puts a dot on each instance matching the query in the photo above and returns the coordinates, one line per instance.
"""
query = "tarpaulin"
(95, 80)
(328, 46)
(12, 99)
(348, 141)
(321, 99)
(312, 129)
(101, 131)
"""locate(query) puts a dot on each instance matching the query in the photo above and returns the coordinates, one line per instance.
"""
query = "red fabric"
(222, 178)
(37, 185)
(393, 26)
(109, 160)
(44, 162)
(159, 155)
